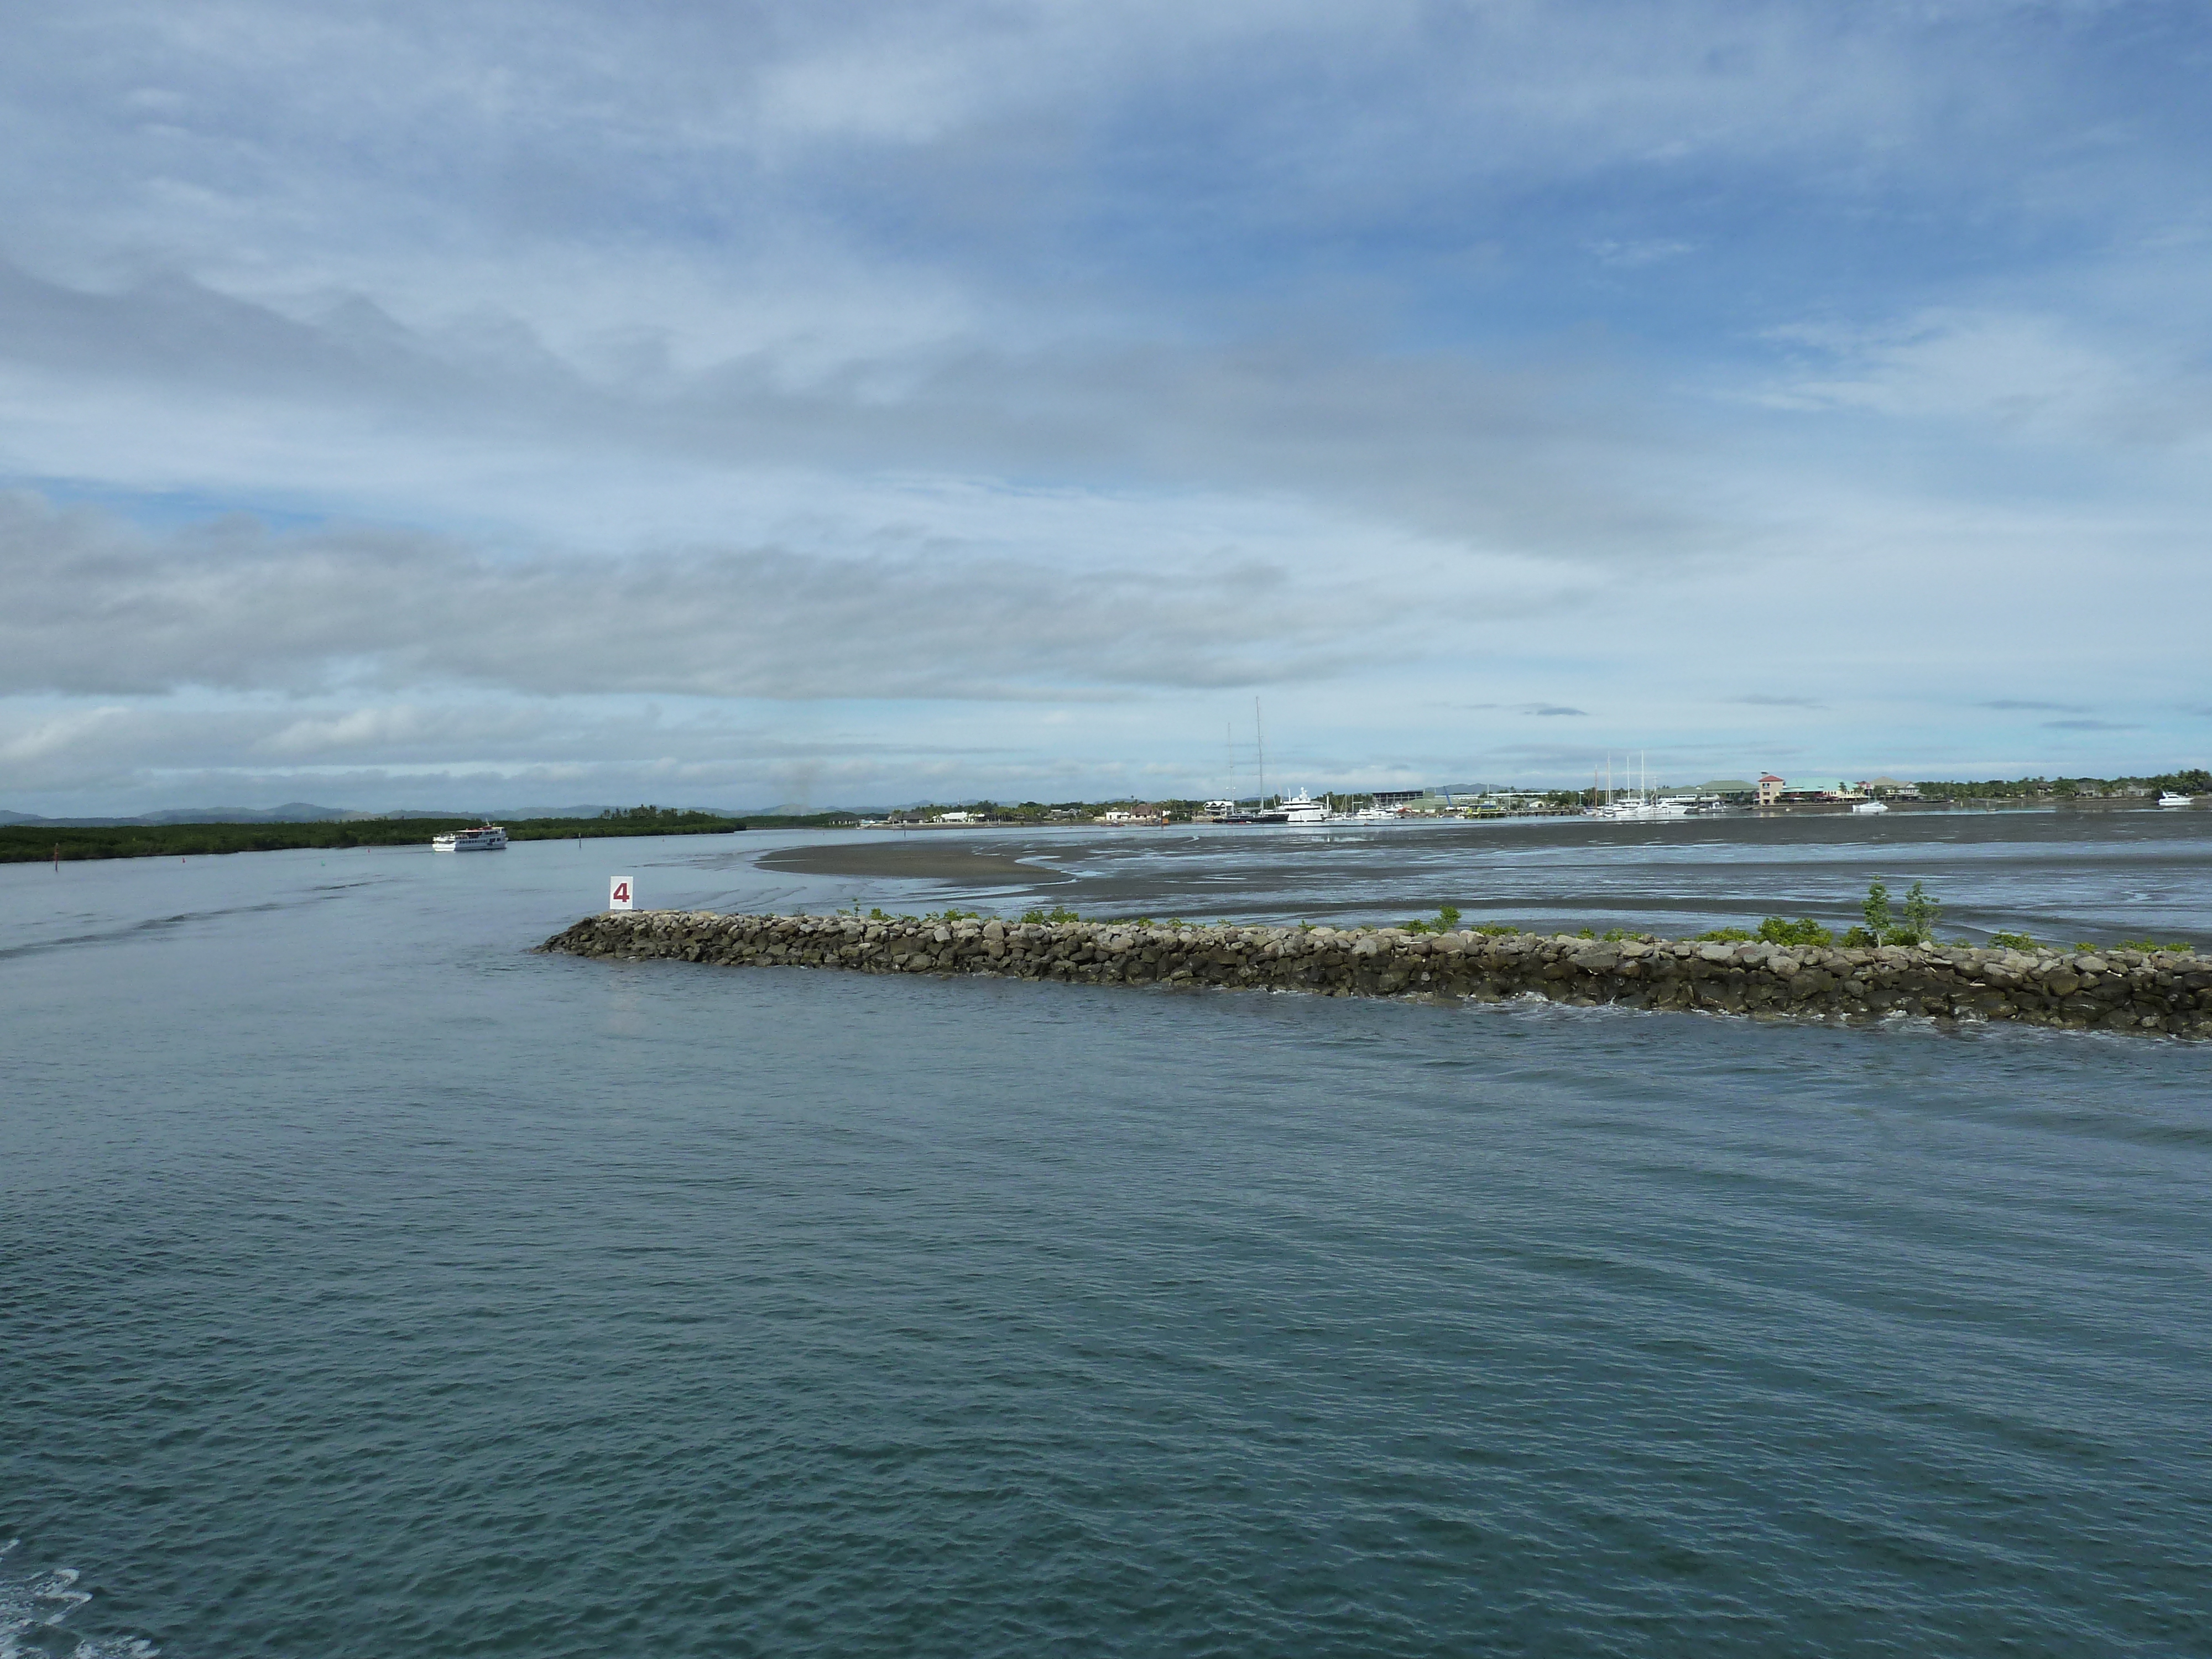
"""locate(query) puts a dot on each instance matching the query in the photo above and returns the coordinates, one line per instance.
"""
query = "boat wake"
(33, 1607)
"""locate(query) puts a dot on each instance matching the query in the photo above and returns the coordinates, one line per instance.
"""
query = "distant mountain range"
(298, 812)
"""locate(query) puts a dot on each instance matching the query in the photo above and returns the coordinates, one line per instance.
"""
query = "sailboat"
(1639, 808)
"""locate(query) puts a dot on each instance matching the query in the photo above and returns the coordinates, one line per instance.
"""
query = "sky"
(462, 405)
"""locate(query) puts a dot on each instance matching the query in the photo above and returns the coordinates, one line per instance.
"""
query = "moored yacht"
(1302, 808)
(2175, 798)
(485, 838)
(1639, 812)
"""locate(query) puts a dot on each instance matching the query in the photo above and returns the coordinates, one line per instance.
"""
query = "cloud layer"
(980, 399)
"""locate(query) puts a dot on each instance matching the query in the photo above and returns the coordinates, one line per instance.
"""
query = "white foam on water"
(33, 1604)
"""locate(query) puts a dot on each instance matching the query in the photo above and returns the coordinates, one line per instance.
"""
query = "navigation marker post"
(620, 896)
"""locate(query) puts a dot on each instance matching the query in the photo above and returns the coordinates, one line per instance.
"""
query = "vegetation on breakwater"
(1920, 912)
(37, 843)
(2139, 993)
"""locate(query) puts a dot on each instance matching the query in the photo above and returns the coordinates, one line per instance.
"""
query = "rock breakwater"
(2149, 993)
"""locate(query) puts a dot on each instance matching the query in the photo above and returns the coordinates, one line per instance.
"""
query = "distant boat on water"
(1302, 808)
(2175, 798)
(1870, 806)
(485, 838)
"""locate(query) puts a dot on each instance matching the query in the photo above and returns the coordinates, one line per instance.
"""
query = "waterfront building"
(1732, 791)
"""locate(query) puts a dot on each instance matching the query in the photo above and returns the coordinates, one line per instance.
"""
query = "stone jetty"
(2149, 993)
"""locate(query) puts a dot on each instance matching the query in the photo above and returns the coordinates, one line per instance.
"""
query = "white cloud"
(2028, 376)
(449, 382)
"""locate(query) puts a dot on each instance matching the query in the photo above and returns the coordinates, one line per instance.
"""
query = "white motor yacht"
(1302, 808)
(1869, 806)
(485, 838)
(2175, 798)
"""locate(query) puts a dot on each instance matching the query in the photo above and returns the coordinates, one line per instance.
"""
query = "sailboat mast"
(1260, 752)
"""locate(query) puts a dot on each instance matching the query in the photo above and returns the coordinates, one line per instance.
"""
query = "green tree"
(1877, 910)
(1920, 911)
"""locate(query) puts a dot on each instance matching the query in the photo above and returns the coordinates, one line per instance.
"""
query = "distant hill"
(298, 812)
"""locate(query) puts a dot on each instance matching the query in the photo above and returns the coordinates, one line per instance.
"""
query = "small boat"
(1869, 806)
(485, 838)
(1376, 815)
(2175, 798)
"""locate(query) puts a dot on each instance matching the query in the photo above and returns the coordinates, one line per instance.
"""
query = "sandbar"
(933, 858)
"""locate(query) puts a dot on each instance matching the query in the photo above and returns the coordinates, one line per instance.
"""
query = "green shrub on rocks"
(1446, 920)
(1880, 925)
(2014, 942)
(1726, 936)
(2148, 946)
(1875, 911)
(1921, 911)
(1804, 931)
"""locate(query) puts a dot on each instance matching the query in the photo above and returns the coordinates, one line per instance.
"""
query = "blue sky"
(481, 405)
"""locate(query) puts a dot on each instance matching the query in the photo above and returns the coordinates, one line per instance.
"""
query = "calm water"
(370, 1285)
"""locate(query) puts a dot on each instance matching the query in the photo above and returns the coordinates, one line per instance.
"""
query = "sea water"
(369, 1285)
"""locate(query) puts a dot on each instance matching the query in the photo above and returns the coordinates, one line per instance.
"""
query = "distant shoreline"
(40, 843)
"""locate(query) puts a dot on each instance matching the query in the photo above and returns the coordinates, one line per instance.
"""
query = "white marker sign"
(618, 894)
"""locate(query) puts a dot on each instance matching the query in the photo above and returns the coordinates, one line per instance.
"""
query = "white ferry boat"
(485, 838)
(2174, 798)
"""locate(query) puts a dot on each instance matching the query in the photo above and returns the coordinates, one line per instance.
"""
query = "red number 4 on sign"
(618, 894)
